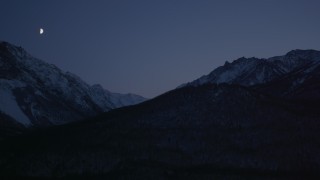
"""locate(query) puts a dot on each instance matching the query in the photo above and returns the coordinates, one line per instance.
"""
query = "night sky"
(152, 46)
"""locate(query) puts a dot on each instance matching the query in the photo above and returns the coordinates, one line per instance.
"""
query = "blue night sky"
(152, 46)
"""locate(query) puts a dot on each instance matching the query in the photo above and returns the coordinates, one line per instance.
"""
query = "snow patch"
(10, 107)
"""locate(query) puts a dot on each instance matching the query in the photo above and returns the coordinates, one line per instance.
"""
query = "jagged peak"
(252, 70)
(299, 51)
(226, 63)
(15, 50)
(9, 45)
(303, 53)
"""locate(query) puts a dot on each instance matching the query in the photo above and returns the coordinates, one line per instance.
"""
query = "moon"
(41, 31)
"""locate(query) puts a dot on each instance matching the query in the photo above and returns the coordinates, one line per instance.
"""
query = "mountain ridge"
(252, 71)
(33, 91)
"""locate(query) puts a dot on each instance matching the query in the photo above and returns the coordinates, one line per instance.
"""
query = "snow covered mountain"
(210, 131)
(253, 71)
(34, 93)
(203, 132)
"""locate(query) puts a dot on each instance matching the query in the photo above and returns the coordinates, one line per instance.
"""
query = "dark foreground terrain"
(205, 132)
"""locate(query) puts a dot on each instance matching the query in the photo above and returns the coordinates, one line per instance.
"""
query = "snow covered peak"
(296, 55)
(45, 95)
(18, 52)
(310, 53)
(252, 71)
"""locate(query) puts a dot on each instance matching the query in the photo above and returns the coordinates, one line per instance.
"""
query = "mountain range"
(248, 119)
(34, 93)
(253, 71)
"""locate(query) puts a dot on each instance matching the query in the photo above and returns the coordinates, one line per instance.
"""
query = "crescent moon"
(41, 31)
